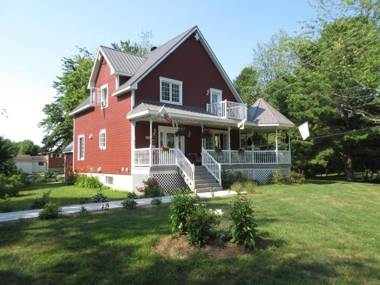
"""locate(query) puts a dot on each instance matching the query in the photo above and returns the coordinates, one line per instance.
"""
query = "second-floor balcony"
(228, 110)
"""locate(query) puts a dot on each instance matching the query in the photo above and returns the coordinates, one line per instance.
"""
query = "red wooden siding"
(190, 64)
(117, 155)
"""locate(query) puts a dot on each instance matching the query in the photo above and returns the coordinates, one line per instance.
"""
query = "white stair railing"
(187, 168)
(212, 166)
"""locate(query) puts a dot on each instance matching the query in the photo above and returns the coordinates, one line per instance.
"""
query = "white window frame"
(171, 82)
(220, 93)
(84, 147)
(101, 96)
(103, 131)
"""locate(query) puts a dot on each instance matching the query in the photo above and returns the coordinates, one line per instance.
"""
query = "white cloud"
(23, 97)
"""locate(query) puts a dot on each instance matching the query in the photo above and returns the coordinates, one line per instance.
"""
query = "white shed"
(31, 164)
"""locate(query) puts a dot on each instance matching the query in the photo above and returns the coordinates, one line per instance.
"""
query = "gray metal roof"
(262, 113)
(122, 62)
(86, 103)
(68, 148)
(153, 57)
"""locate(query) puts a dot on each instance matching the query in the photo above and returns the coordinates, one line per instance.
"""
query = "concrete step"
(201, 186)
(205, 180)
(209, 189)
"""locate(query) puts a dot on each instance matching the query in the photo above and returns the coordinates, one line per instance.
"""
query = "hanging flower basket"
(164, 149)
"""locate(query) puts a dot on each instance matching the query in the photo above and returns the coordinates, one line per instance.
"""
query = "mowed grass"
(60, 194)
(317, 234)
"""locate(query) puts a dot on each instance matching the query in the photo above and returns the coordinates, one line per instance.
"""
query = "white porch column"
(202, 142)
(150, 141)
(229, 145)
(276, 146)
(133, 145)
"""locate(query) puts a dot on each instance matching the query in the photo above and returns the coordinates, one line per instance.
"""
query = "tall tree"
(28, 147)
(140, 48)
(71, 89)
(8, 151)
(246, 84)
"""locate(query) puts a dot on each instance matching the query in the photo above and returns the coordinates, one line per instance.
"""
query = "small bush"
(132, 195)
(243, 228)
(182, 206)
(229, 178)
(151, 188)
(244, 186)
(11, 185)
(297, 177)
(129, 203)
(50, 175)
(41, 202)
(200, 226)
(70, 179)
(88, 182)
(277, 178)
(99, 197)
(83, 211)
(50, 211)
(156, 201)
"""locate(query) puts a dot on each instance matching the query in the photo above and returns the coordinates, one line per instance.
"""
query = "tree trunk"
(348, 167)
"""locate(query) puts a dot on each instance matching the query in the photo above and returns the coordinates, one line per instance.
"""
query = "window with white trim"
(102, 139)
(104, 96)
(170, 91)
(81, 147)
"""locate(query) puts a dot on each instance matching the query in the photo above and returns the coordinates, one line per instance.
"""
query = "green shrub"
(244, 186)
(50, 211)
(277, 178)
(41, 202)
(229, 178)
(85, 181)
(297, 177)
(200, 226)
(70, 179)
(243, 227)
(151, 188)
(156, 201)
(182, 206)
(83, 211)
(11, 185)
(129, 203)
(132, 195)
(99, 197)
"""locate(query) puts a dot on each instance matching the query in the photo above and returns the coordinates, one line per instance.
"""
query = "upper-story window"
(102, 139)
(170, 91)
(81, 147)
(104, 96)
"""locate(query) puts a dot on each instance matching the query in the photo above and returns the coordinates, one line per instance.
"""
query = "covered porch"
(212, 140)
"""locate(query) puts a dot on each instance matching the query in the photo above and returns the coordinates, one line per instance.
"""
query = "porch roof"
(261, 114)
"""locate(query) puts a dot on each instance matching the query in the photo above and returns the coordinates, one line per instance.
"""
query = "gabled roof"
(86, 104)
(27, 157)
(263, 114)
(159, 54)
(68, 148)
(122, 63)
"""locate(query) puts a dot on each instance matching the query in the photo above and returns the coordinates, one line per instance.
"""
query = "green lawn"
(319, 234)
(61, 194)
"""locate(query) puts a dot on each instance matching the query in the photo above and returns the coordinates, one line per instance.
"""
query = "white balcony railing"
(228, 110)
(251, 157)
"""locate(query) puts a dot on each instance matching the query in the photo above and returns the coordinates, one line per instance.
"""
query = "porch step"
(204, 181)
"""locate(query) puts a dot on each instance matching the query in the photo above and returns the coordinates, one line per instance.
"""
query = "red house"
(175, 115)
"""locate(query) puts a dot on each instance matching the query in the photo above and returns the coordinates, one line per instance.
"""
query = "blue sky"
(35, 35)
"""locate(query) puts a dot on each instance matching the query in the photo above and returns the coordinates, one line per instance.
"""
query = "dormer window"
(170, 91)
(104, 96)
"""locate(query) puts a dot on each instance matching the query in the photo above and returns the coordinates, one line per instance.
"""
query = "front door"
(215, 101)
(167, 138)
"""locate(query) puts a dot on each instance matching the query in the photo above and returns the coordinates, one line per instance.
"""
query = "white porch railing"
(187, 168)
(172, 156)
(213, 167)
(250, 157)
(228, 110)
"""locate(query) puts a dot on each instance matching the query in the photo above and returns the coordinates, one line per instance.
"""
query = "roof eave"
(125, 90)
(84, 108)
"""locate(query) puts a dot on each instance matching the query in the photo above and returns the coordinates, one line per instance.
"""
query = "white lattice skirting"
(170, 181)
(261, 175)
